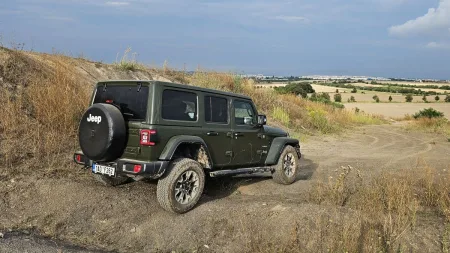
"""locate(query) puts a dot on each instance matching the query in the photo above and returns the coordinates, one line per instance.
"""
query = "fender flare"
(176, 141)
(277, 147)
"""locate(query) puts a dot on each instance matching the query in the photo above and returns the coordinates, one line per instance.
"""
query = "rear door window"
(179, 105)
(132, 103)
(216, 110)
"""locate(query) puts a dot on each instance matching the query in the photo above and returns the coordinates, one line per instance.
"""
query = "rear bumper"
(125, 167)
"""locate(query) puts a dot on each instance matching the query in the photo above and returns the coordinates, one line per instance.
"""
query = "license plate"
(102, 169)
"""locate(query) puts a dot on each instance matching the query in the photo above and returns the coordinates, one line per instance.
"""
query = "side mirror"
(262, 120)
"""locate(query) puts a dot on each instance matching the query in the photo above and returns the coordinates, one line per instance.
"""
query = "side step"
(239, 171)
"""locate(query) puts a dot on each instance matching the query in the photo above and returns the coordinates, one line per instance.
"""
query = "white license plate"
(102, 169)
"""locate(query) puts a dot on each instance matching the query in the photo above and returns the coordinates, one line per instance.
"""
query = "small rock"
(133, 230)
(13, 181)
(278, 208)
(1, 235)
(206, 246)
(264, 204)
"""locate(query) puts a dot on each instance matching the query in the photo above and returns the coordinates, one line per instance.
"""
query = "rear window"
(179, 105)
(133, 103)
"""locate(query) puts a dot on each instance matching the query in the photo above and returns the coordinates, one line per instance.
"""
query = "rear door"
(217, 128)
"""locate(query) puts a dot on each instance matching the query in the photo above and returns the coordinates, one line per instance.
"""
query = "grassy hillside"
(44, 96)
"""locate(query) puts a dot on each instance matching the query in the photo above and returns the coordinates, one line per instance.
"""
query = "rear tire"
(110, 181)
(287, 166)
(180, 189)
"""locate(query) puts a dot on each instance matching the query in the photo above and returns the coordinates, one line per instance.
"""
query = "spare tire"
(102, 133)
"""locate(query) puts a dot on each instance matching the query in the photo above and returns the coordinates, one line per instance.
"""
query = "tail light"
(78, 158)
(147, 137)
(137, 168)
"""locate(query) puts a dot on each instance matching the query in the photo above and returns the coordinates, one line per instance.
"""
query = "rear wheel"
(287, 166)
(180, 189)
(110, 181)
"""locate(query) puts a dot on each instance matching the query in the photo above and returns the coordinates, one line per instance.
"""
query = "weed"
(280, 115)
(127, 64)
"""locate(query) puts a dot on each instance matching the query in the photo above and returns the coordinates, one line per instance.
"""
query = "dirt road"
(235, 214)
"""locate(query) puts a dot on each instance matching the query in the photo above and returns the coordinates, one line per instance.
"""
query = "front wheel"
(180, 190)
(287, 166)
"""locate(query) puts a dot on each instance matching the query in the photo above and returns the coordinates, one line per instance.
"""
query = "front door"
(247, 137)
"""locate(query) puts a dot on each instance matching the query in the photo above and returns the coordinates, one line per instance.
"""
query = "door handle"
(212, 133)
(238, 134)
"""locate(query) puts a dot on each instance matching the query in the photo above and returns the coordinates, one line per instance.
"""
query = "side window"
(243, 110)
(216, 110)
(179, 105)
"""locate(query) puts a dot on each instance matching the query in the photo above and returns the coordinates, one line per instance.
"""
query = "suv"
(179, 134)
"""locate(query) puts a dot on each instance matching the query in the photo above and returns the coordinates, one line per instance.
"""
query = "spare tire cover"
(102, 133)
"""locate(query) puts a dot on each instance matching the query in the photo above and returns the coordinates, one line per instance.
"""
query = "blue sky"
(390, 38)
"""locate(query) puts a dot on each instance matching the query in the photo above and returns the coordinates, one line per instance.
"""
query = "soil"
(233, 215)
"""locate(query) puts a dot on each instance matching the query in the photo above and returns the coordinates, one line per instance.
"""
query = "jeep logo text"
(96, 119)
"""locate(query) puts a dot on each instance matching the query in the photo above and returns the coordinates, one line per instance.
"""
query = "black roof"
(182, 86)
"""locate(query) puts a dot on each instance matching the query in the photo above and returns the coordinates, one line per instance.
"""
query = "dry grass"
(433, 125)
(388, 204)
(127, 63)
(40, 115)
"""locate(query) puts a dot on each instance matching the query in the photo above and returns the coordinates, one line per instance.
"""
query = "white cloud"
(436, 45)
(117, 3)
(435, 21)
(292, 18)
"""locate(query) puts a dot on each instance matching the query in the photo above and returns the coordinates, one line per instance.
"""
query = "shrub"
(375, 97)
(337, 90)
(424, 98)
(337, 98)
(437, 98)
(409, 98)
(428, 113)
(447, 99)
(354, 90)
(296, 88)
(352, 99)
(390, 98)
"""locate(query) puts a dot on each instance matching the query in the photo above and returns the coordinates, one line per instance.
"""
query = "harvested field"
(398, 110)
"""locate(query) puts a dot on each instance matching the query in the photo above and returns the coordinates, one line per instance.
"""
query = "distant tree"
(352, 99)
(375, 97)
(447, 99)
(424, 98)
(437, 98)
(337, 98)
(354, 90)
(409, 98)
(337, 90)
(301, 89)
(390, 98)
(377, 100)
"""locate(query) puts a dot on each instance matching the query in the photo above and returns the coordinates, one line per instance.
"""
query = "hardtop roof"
(177, 85)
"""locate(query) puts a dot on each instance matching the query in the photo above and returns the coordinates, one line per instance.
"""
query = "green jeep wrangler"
(177, 133)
